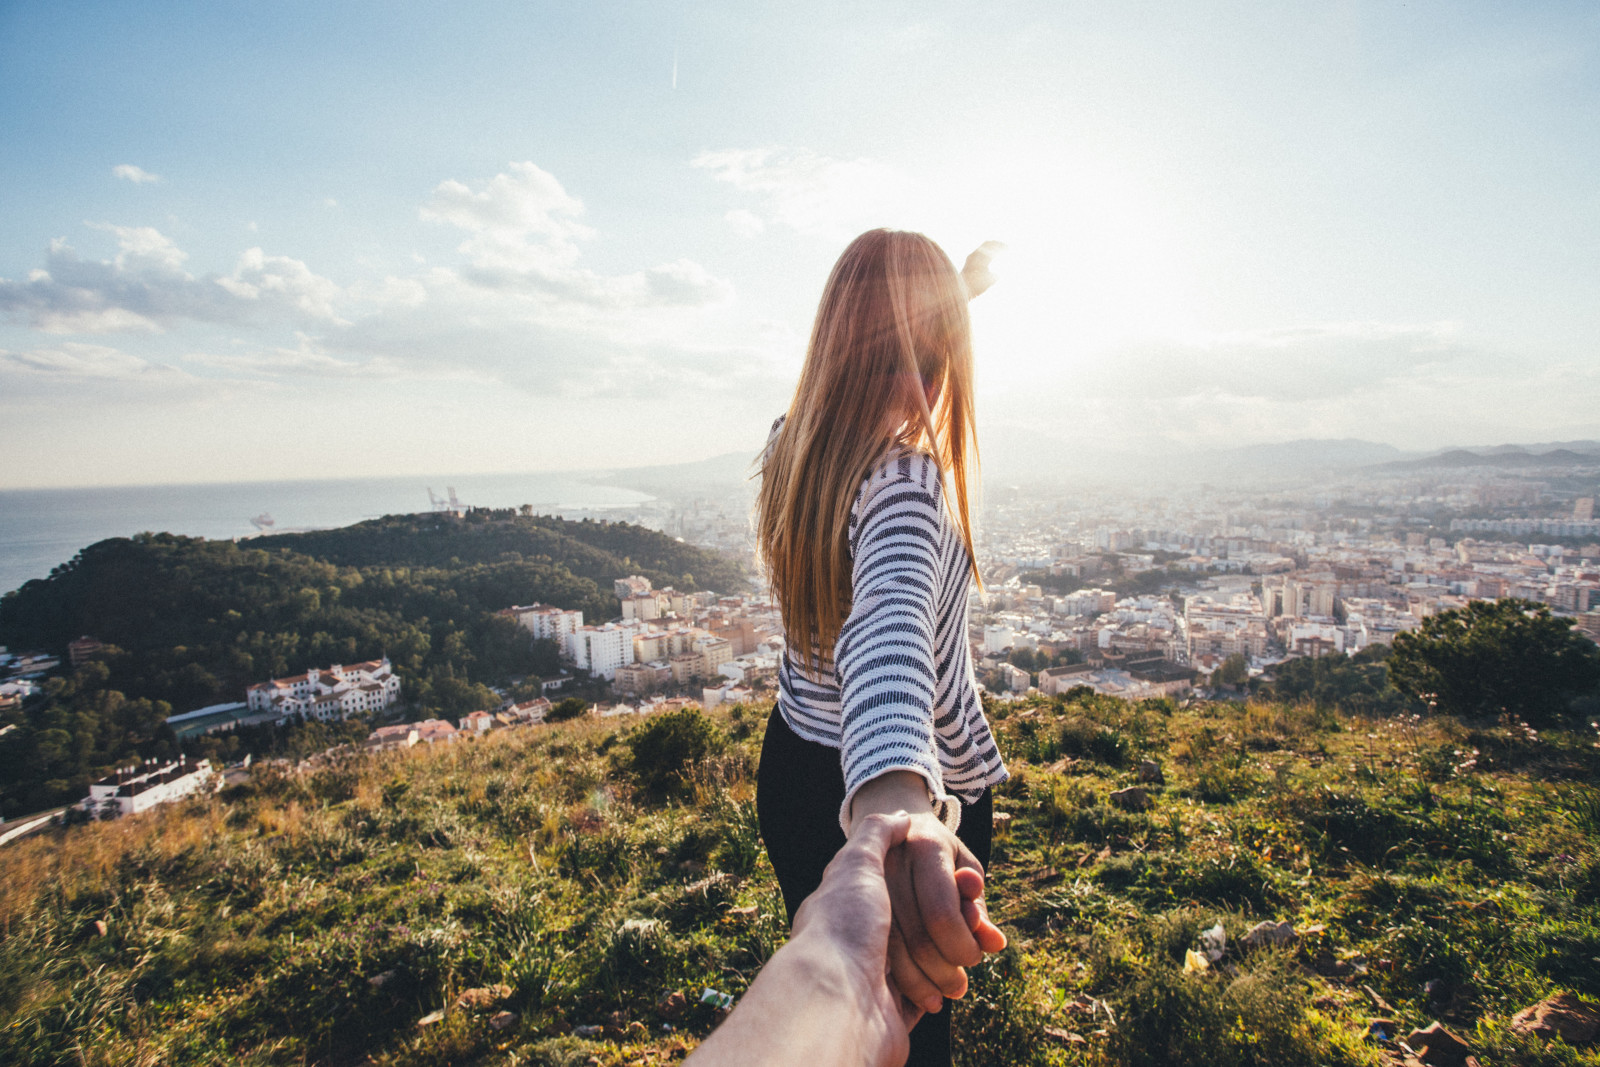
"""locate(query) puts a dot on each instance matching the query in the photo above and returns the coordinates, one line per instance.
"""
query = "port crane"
(449, 502)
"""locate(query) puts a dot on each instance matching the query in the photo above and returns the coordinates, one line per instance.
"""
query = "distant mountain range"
(1570, 454)
(1015, 457)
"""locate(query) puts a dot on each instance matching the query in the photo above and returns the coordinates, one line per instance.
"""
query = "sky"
(248, 241)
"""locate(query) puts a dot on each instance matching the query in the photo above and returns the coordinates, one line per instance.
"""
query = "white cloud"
(306, 359)
(1409, 384)
(146, 288)
(1323, 360)
(278, 279)
(519, 307)
(809, 193)
(520, 221)
(137, 175)
(73, 360)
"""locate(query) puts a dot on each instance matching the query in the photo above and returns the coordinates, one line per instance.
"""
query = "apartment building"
(335, 692)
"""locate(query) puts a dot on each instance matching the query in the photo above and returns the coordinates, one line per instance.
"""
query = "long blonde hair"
(891, 329)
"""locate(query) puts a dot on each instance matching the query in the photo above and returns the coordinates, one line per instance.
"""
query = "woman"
(864, 529)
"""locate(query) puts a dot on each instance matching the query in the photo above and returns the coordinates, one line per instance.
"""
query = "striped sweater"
(900, 694)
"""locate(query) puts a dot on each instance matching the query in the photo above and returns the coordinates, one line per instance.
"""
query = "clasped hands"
(833, 993)
(935, 886)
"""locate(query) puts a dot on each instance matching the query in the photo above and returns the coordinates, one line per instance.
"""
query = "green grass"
(316, 918)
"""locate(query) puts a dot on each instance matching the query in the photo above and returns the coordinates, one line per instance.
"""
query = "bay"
(43, 528)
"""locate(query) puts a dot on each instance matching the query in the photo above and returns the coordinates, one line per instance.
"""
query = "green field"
(1449, 870)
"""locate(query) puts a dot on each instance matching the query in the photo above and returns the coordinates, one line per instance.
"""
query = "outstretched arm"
(825, 996)
(975, 272)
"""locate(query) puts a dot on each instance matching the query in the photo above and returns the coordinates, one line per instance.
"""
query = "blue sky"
(289, 240)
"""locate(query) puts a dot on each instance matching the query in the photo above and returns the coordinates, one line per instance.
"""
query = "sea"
(43, 528)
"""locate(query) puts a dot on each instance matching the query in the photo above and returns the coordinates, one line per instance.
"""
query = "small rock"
(1438, 1047)
(1132, 798)
(100, 927)
(1563, 1016)
(590, 1032)
(1326, 965)
(1064, 1037)
(663, 851)
(501, 1019)
(378, 981)
(1214, 942)
(1150, 771)
(1377, 1001)
(1081, 1004)
(431, 1018)
(482, 998)
(1276, 934)
(1002, 820)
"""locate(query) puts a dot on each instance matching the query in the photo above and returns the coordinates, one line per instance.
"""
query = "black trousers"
(799, 788)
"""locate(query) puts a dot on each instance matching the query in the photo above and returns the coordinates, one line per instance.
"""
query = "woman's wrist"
(890, 793)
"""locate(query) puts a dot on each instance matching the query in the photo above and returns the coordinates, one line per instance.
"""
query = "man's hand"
(826, 997)
(976, 273)
(850, 914)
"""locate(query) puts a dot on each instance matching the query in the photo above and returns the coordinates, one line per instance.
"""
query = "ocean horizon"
(43, 528)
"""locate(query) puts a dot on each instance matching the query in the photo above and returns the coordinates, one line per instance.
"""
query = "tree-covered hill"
(599, 551)
(193, 622)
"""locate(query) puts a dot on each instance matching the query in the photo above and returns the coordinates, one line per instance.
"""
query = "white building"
(998, 638)
(600, 650)
(129, 792)
(1017, 680)
(646, 607)
(335, 693)
(547, 623)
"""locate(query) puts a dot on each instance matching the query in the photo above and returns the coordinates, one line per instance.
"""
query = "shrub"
(1495, 657)
(666, 748)
(566, 709)
(1087, 740)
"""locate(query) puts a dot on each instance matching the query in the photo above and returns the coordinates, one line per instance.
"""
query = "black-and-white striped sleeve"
(886, 654)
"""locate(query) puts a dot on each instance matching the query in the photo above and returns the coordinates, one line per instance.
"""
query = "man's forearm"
(803, 1008)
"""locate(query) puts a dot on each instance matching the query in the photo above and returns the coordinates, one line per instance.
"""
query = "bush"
(1087, 740)
(563, 710)
(1496, 657)
(666, 748)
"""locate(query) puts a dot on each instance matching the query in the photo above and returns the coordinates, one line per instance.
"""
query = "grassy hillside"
(1452, 871)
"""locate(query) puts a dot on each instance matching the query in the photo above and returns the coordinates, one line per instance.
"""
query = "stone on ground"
(1563, 1015)
(1132, 798)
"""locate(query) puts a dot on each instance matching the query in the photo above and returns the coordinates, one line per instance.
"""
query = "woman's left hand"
(975, 273)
